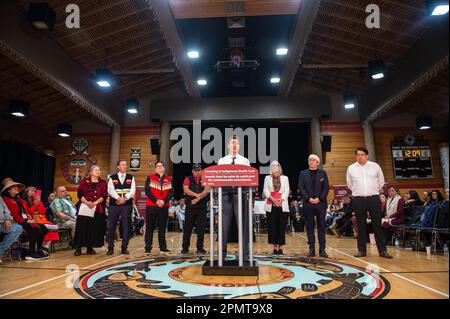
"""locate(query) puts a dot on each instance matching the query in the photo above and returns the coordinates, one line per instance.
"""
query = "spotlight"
(349, 101)
(377, 69)
(64, 130)
(282, 51)
(41, 16)
(104, 78)
(132, 106)
(275, 80)
(437, 7)
(19, 108)
(193, 54)
(424, 122)
(202, 82)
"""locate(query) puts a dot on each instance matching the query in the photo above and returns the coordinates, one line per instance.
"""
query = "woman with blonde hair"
(276, 192)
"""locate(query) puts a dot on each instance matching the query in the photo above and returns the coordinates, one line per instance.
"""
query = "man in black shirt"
(314, 187)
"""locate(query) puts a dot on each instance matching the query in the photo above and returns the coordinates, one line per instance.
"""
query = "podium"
(237, 176)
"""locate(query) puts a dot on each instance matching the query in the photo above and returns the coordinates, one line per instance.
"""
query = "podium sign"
(237, 176)
(230, 175)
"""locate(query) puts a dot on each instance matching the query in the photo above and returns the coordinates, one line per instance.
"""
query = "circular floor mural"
(291, 277)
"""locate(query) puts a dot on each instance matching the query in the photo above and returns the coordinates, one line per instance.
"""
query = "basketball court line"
(393, 273)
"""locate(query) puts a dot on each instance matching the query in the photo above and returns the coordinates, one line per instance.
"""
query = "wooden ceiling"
(122, 35)
(48, 107)
(188, 9)
(430, 99)
(339, 36)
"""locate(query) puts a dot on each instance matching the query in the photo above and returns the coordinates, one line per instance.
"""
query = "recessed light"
(274, 80)
(202, 82)
(282, 51)
(193, 54)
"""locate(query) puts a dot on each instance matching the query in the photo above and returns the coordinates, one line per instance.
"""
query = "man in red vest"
(159, 191)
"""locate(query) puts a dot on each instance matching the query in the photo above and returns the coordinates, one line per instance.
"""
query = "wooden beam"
(166, 21)
(306, 14)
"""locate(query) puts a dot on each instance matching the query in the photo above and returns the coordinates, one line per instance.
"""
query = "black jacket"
(321, 187)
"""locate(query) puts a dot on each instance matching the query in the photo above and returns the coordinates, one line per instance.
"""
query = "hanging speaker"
(326, 143)
(154, 144)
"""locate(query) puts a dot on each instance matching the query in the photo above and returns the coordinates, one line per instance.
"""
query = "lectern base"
(230, 268)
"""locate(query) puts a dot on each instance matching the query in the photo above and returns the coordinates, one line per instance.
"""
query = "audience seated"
(9, 231)
(37, 210)
(342, 224)
(21, 215)
(180, 211)
(64, 210)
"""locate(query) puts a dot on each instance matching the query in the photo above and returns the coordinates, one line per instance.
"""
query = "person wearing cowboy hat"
(313, 185)
(21, 215)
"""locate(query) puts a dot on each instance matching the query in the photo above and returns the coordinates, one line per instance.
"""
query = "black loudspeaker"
(326, 143)
(154, 143)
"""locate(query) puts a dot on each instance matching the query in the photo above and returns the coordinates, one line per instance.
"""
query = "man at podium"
(230, 199)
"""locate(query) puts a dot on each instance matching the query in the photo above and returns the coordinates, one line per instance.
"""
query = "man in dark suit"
(313, 186)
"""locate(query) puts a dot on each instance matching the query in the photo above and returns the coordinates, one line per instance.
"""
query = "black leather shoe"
(200, 251)
(77, 252)
(323, 253)
(361, 254)
(185, 251)
(280, 252)
(164, 250)
(125, 252)
(110, 252)
(312, 252)
(90, 251)
(384, 254)
(275, 252)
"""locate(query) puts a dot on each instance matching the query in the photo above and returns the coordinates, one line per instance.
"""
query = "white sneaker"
(1, 262)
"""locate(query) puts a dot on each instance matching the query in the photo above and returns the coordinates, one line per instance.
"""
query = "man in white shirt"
(365, 179)
(230, 200)
(121, 190)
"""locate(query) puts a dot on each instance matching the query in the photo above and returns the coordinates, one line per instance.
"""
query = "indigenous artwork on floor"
(292, 277)
(76, 164)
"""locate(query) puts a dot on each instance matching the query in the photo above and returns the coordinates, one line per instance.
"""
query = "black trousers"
(230, 208)
(156, 216)
(194, 216)
(371, 205)
(35, 235)
(315, 213)
(122, 213)
(276, 222)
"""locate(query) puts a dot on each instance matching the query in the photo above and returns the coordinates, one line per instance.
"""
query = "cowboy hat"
(8, 182)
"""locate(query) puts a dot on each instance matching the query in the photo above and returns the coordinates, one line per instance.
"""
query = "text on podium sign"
(230, 175)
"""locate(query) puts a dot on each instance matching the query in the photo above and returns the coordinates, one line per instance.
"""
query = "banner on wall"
(340, 191)
(141, 200)
(75, 165)
(135, 159)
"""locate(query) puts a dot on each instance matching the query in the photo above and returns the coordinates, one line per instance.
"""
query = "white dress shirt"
(365, 180)
(239, 159)
(112, 190)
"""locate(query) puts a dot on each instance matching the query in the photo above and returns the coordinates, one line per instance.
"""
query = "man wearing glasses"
(64, 209)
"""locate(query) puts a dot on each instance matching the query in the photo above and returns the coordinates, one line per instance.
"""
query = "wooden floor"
(410, 274)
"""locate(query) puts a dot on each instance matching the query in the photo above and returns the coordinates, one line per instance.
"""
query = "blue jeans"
(11, 236)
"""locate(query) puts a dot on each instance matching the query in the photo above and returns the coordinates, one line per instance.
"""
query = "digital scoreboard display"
(412, 162)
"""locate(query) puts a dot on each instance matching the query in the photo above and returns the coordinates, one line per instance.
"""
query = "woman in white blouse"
(276, 192)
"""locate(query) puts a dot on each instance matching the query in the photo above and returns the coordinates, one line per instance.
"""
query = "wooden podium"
(236, 176)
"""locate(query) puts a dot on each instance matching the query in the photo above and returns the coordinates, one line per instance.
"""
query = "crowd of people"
(103, 205)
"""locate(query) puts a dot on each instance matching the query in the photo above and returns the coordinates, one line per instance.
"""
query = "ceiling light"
(193, 54)
(282, 51)
(41, 16)
(202, 82)
(424, 122)
(437, 7)
(64, 130)
(349, 101)
(104, 78)
(377, 69)
(275, 80)
(132, 106)
(19, 108)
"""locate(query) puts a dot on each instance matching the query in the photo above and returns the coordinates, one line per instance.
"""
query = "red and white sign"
(141, 200)
(340, 191)
(230, 175)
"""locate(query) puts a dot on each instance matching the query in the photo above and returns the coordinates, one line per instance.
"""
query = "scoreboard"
(411, 162)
